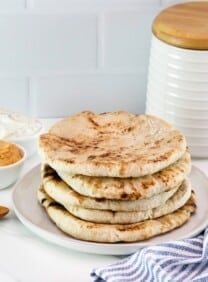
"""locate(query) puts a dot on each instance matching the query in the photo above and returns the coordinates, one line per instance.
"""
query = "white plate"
(33, 216)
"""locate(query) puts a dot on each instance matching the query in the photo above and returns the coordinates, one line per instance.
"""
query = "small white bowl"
(10, 173)
(20, 129)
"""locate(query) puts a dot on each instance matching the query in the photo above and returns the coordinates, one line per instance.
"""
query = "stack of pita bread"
(115, 177)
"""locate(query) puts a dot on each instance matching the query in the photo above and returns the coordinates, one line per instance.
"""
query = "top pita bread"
(117, 144)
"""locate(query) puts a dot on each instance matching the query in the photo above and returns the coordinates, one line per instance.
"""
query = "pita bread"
(117, 144)
(111, 233)
(63, 194)
(106, 216)
(130, 188)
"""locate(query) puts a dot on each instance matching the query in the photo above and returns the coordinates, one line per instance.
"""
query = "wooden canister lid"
(183, 25)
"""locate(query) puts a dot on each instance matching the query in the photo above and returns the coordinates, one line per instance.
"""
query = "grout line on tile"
(28, 4)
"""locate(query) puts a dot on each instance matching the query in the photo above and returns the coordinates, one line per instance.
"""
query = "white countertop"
(27, 258)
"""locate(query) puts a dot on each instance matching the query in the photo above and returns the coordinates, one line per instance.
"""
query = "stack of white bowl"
(177, 91)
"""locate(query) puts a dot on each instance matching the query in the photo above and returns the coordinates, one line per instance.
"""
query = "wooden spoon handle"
(3, 211)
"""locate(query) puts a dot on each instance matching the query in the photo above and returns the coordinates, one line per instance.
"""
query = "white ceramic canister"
(177, 88)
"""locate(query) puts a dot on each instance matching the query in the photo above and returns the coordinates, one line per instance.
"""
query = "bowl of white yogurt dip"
(20, 129)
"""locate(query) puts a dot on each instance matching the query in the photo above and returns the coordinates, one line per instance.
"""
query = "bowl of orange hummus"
(12, 157)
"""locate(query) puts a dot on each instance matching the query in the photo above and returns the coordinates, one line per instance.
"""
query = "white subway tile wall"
(12, 5)
(14, 93)
(167, 3)
(72, 93)
(58, 57)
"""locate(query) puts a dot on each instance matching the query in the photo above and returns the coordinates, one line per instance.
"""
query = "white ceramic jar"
(177, 89)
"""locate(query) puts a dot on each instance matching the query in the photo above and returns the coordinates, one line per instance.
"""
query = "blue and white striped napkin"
(183, 261)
